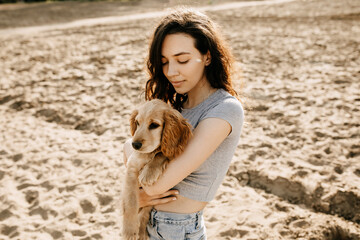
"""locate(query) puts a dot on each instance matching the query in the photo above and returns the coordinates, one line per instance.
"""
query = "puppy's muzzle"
(136, 145)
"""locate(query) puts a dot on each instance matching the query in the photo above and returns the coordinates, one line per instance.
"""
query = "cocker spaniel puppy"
(159, 134)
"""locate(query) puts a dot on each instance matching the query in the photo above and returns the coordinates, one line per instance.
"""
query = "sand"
(66, 96)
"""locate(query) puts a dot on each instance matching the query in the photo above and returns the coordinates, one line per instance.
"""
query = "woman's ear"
(176, 134)
(207, 58)
(133, 125)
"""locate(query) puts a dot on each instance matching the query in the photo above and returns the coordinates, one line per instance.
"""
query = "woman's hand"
(146, 200)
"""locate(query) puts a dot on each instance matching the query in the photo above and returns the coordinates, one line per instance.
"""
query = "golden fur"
(159, 134)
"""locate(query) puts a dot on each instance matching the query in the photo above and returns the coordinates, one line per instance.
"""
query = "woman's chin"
(181, 91)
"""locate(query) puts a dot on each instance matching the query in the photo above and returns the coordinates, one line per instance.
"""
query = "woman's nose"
(172, 70)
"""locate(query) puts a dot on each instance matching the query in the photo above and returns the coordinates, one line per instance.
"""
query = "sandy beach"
(66, 94)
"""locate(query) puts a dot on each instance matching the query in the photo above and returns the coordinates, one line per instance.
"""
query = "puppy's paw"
(130, 230)
(130, 236)
(148, 175)
(144, 236)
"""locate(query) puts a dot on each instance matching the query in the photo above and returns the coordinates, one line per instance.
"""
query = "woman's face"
(183, 64)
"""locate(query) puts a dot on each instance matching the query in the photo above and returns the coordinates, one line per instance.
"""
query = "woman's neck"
(198, 94)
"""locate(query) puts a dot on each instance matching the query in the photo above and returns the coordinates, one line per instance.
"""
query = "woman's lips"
(177, 83)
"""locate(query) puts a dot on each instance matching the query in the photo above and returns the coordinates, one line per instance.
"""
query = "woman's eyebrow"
(177, 54)
(181, 53)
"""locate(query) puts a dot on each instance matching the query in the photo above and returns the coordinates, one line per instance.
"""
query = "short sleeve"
(230, 110)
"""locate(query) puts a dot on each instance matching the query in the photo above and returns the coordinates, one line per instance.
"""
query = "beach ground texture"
(66, 96)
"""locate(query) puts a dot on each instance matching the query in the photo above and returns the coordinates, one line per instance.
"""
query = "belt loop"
(152, 217)
(197, 220)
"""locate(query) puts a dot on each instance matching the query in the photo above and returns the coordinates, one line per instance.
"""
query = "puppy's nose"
(137, 145)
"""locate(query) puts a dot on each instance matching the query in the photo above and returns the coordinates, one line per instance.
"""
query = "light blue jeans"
(176, 226)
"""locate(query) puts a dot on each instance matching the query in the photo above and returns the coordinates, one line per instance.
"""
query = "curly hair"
(207, 39)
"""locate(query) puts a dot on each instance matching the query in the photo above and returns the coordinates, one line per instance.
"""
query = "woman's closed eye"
(183, 62)
(182, 59)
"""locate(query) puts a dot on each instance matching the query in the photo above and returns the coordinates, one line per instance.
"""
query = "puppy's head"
(156, 125)
(146, 126)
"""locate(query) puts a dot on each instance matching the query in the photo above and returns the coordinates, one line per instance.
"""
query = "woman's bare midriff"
(182, 205)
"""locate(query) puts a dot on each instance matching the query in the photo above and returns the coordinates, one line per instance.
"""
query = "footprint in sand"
(10, 231)
(356, 172)
(104, 199)
(5, 214)
(78, 233)
(87, 206)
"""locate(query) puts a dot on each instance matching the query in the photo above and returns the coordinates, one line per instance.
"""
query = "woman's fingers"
(166, 197)
(166, 194)
(159, 201)
(146, 200)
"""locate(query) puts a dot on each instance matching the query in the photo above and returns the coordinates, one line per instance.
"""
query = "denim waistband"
(174, 218)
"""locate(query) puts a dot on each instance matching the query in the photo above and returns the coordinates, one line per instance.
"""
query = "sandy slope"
(66, 96)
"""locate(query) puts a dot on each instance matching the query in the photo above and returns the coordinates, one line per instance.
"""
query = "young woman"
(189, 66)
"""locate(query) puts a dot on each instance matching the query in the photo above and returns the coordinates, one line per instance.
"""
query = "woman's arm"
(208, 135)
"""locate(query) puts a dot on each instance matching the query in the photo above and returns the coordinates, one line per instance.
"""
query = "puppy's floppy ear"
(176, 134)
(133, 125)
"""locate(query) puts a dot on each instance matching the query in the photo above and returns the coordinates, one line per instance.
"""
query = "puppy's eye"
(153, 126)
(137, 123)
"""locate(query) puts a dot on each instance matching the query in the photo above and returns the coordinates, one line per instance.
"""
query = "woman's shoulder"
(226, 107)
(227, 103)
(220, 104)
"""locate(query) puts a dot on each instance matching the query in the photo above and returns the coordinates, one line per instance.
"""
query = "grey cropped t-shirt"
(202, 184)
